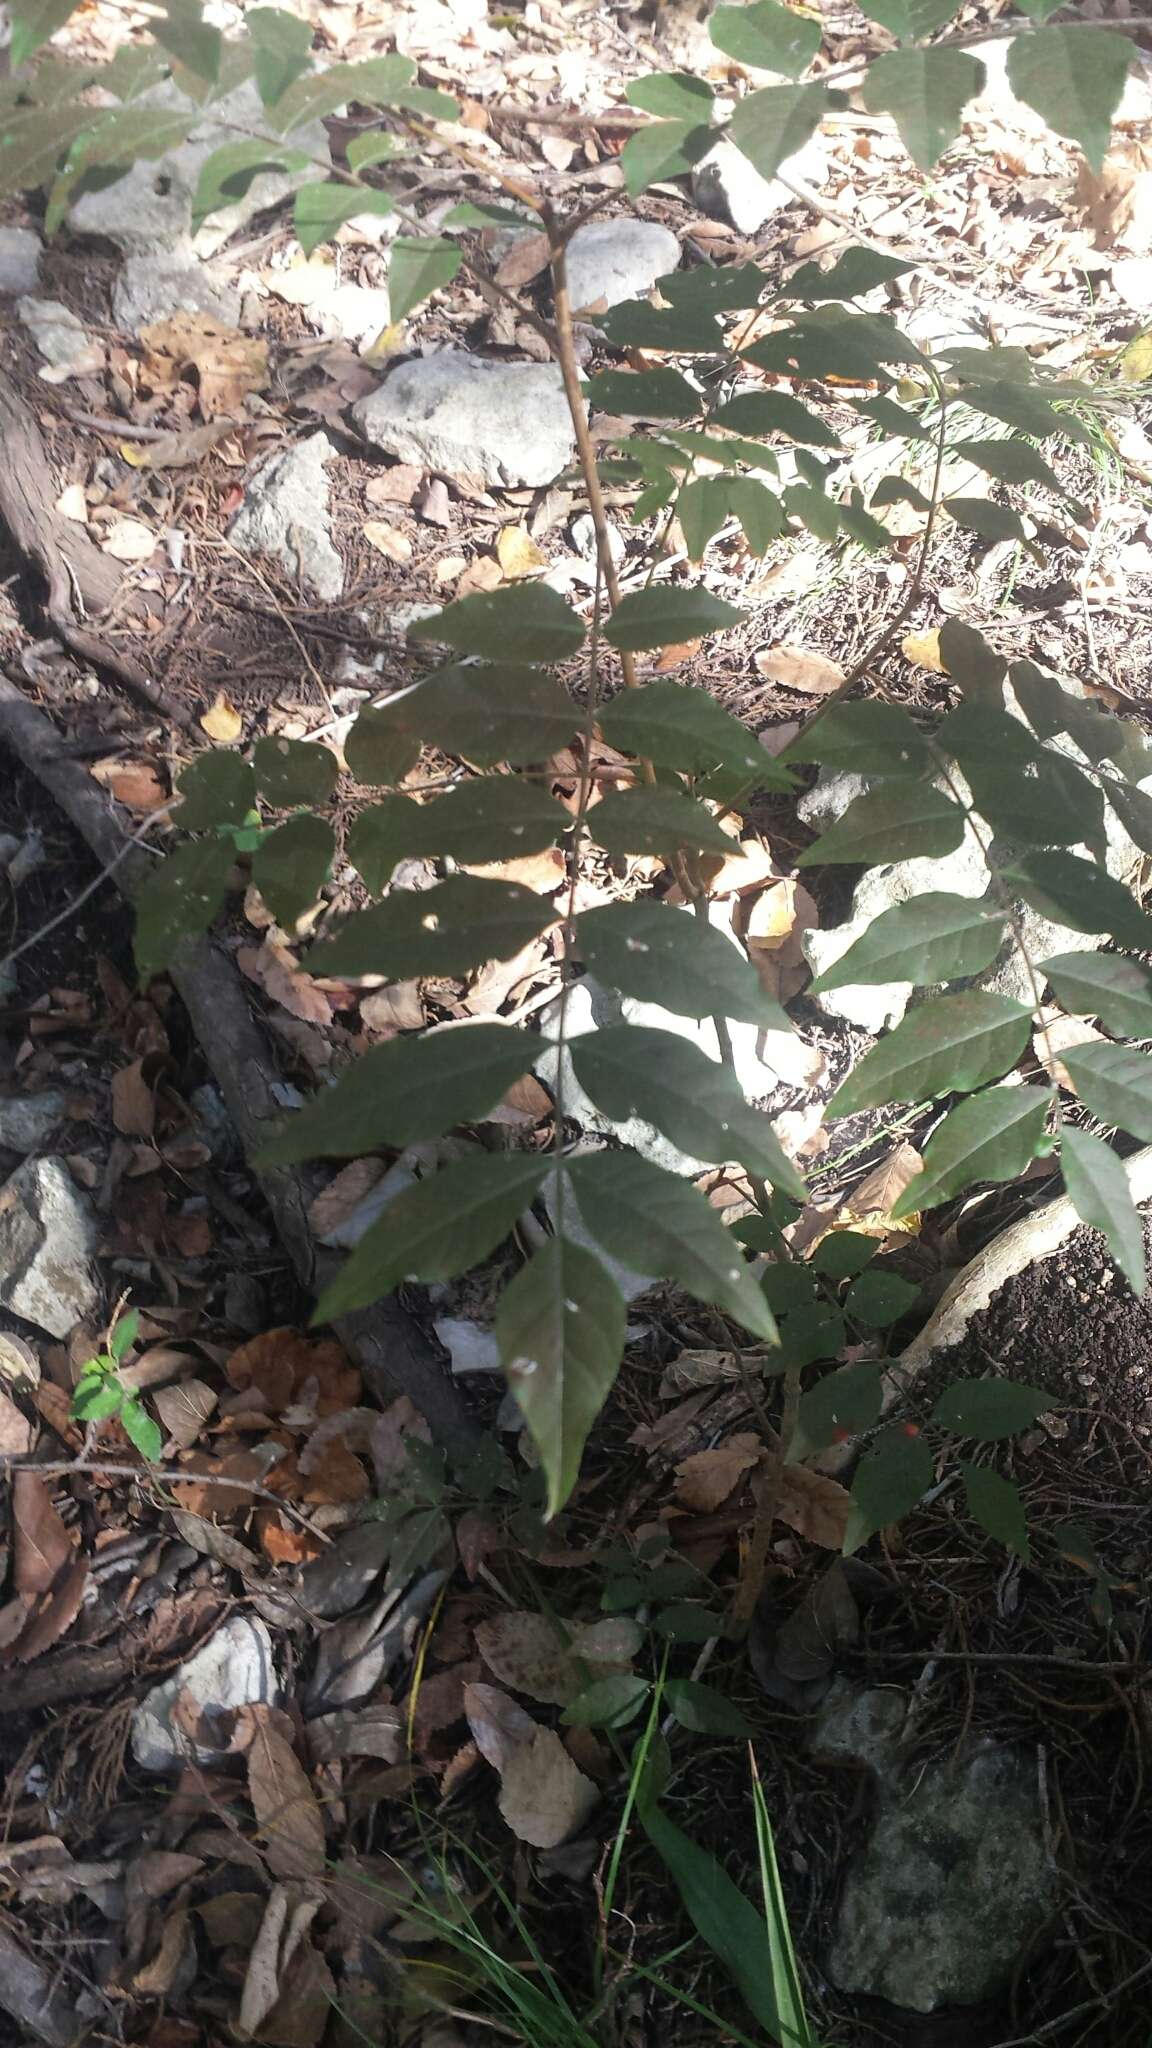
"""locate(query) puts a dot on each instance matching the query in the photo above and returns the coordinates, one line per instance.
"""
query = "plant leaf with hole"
(1074, 891)
(1115, 1081)
(902, 821)
(663, 617)
(951, 1044)
(660, 954)
(180, 900)
(436, 1229)
(417, 267)
(405, 1091)
(526, 622)
(654, 821)
(840, 1405)
(657, 394)
(929, 939)
(1097, 1186)
(766, 36)
(631, 1070)
(1074, 77)
(290, 866)
(890, 1478)
(992, 1136)
(217, 789)
(450, 929)
(560, 1327)
(926, 92)
(293, 772)
(995, 1503)
(1105, 985)
(990, 1409)
(771, 125)
(660, 1224)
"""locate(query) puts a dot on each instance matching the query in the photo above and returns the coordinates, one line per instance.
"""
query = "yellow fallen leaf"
(386, 343)
(518, 553)
(1136, 361)
(388, 540)
(924, 650)
(800, 668)
(222, 722)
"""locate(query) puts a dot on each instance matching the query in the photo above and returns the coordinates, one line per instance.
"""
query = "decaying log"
(386, 1342)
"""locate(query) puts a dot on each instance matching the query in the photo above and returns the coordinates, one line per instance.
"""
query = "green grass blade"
(792, 2020)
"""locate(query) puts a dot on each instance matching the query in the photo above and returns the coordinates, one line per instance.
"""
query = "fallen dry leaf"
(184, 1409)
(133, 784)
(228, 365)
(815, 1506)
(15, 1429)
(395, 486)
(289, 1819)
(671, 657)
(129, 540)
(872, 1200)
(484, 573)
(43, 1548)
(524, 261)
(748, 866)
(52, 1616)
(288, 1915)
(390, 1010)
(542, 872)
(133, 1102)
(285, 1366)
(706, 1479)
(222, 722)
(72, 504)
(275, 969)
(924, 650)
(518, 554)
(387, 540)
(543, 1796)
(525, 1651)
(343, 1195)
(800, 668)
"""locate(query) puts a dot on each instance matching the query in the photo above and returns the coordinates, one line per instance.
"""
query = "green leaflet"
(1104, 985)
(991, 1136)
(291, 865)
(217, 789)
(659, 954)
(291, 772)
(770, 126)
(656, 821)
(890, 1478)
(1097, 1186)
(766, 36)
(662, 617)
(995, 1503)
(525, 622)
(560, 1327)
(903, 821)
(1074, 77)
(1116, 1083)
(436, 1229)
(951, 1044)
(450, 929)
(180, 900)
(932, 938)
(408, 1090)
(990, 1409)
(926, 92)
(1074, 891)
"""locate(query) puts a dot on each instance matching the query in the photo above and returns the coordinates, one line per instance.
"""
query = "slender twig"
(79, 1468)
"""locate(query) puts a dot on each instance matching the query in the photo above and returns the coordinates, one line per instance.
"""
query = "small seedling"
(101, 1396)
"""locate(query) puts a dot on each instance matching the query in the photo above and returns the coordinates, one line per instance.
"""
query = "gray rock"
(356, 312)
(19, 260)
(506, 423)
(27, 1121)
(613, 260)
(953, 1886)
(149, 210)
(148, 288)
(470, 1346)
(47, 1237)
(62, 339)
(285, 515)
(233, 1669)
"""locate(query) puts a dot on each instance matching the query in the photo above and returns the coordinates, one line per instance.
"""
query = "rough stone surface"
(19, 260)
(47, 1237)
(27, 1121)
(233, 1669)
(356, 312)
(149, 288)
(150, 209)
(728, 187)
(506, 423)
(953, 1886)
(613, 260)
(62, 339)
(285, 515)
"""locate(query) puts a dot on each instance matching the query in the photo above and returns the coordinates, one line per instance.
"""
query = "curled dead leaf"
(544, 1797)
(706, 1479)
(800, 668)
(518, 554)
(814, 1505)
